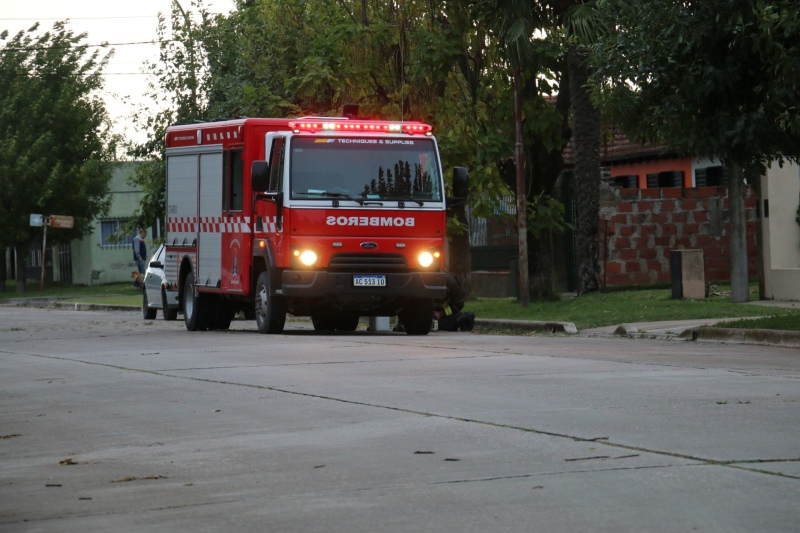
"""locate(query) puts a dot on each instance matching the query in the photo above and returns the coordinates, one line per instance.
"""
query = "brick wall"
(640, 227)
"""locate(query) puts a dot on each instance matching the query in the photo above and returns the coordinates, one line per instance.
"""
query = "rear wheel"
(195, 307)
(169, 313)
(323, 322)
(331, 322)
(270, 308)
(147, 312)
(347, 323)
(223, 314)
(417, 317)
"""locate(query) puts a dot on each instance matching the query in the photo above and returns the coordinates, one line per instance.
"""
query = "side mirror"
(460, 182)
(460, 187)
(259, 176)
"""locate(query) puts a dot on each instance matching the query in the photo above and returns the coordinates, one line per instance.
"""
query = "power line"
(81, 18)
(105, 45)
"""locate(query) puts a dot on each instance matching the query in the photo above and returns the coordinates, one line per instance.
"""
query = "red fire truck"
(332, 218)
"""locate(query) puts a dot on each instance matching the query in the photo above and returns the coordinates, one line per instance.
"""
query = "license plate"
(369, 281)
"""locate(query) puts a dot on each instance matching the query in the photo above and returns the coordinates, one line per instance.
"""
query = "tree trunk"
(740, 290)
(541, 266)
(20, 269)
(3, 270)
(522, 211)
(586, 140)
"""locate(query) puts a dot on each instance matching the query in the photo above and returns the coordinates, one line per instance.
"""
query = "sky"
(116, 23)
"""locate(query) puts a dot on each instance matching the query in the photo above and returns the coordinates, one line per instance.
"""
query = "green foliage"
(718, 77)
(441, 64)
(789, 322)
(597, 309)
(545, 213)
(56, 152)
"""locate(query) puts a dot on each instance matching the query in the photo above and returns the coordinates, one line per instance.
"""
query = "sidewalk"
(700, 330)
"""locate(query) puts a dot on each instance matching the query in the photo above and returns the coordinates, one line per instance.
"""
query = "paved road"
(110, 423)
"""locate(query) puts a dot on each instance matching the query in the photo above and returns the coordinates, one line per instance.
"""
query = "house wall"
(781, 232)
(94, 263)
(640, 227)
(641, 169)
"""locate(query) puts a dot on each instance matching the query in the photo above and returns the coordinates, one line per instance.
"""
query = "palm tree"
(578, 20)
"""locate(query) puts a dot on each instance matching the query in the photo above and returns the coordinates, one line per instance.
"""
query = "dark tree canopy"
(55, 157)
(708, 77)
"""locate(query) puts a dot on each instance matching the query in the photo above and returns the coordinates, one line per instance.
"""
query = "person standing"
(139, 255)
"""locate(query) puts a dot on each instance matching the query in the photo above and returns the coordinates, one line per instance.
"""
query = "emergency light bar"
(367, 127)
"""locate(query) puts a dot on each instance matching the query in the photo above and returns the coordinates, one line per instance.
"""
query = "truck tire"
(169, 313)
(331, 322)
(269, 307)
(347, 323)
(195, 308)
(147, 312)
(323, 322)
(223, 314)
(417, 317)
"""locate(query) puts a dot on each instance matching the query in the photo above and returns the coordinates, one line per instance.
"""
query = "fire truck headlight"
(425, 259)
(307, 257)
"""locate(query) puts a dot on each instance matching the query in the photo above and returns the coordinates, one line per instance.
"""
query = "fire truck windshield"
(367, 168)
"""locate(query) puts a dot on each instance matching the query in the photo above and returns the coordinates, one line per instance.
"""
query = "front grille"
(368, 263)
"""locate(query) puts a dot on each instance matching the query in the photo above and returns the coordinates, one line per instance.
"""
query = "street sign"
(61, 221)
(37, 221)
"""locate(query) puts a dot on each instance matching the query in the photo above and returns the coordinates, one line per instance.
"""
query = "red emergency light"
(372, 126)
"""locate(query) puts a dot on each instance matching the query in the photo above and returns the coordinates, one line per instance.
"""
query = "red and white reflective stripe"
(208, 225)
(216, 225)
(181, 224)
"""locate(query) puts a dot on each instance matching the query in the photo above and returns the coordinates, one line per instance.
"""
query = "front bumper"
(321, 284)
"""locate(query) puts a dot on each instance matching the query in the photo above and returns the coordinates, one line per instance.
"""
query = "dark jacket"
(139, 249)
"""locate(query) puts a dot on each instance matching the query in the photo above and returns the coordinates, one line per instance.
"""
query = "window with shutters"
(670, 178)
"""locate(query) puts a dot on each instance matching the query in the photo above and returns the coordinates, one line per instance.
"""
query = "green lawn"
(586, 311)
(619, 307)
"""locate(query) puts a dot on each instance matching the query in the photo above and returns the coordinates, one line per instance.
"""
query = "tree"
(411, 60)
(578, 21)
(56, 152)
(712, 78)
(531, 60)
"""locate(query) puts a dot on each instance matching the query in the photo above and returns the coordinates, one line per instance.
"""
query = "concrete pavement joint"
(558, 473)
(596, 440)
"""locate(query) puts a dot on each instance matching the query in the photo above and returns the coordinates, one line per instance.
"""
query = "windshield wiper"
(402, 197)
(337, 195)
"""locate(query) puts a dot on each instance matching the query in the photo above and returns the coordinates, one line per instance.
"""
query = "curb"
(767, 337)
(77, 306)
(528, 325)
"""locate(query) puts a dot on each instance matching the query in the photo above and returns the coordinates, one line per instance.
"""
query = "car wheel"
(147, 312)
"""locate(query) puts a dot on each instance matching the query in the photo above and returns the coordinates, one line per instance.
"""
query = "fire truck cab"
(332, 218)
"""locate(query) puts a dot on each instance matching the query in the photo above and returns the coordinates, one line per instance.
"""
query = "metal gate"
(65, 263)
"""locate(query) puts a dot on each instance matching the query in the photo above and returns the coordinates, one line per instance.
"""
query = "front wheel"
(270, 308)
(417, 317)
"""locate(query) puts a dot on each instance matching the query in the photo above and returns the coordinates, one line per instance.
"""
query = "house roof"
(616, 148)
